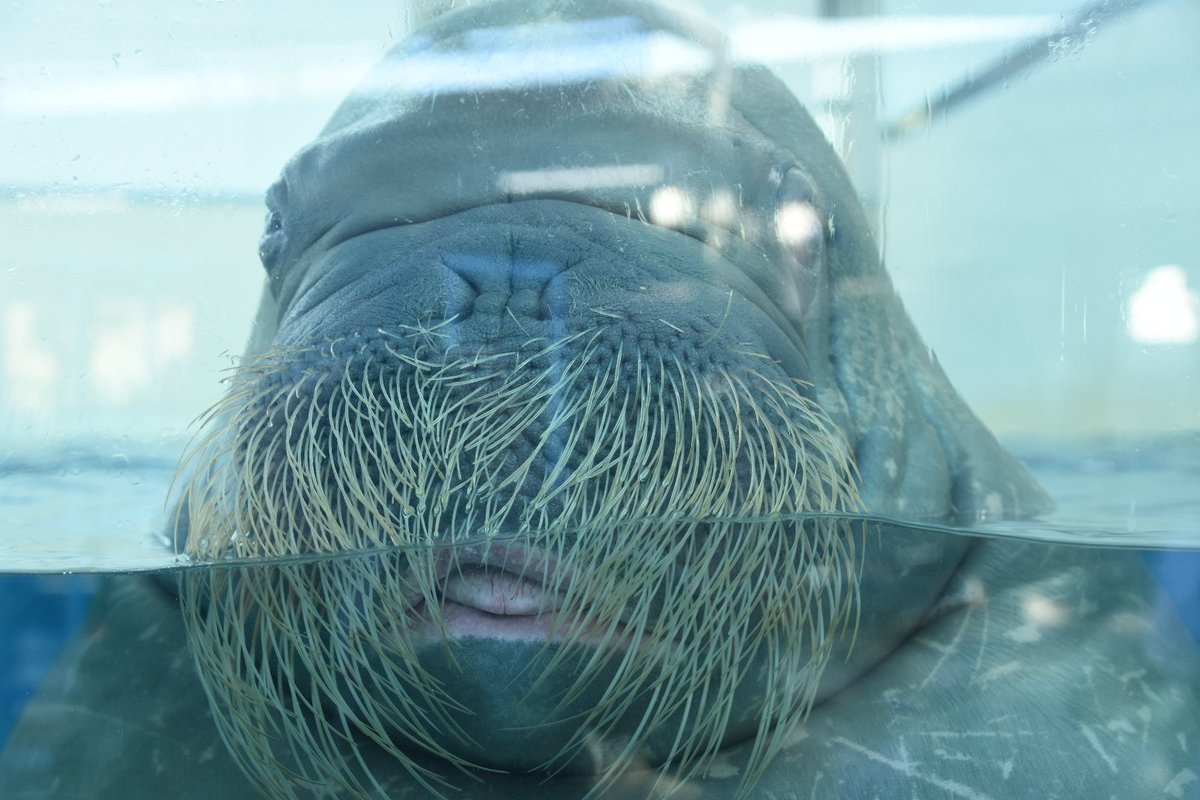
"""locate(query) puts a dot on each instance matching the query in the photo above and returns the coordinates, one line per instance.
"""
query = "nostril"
(502, 271)
(504, 285)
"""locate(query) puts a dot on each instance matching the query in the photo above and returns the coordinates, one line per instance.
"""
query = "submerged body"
(599, 343)
(988, 701)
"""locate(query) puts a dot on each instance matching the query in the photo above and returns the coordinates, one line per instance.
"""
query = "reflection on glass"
(1164, 309)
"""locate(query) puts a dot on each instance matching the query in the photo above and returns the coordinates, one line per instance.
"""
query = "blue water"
(37, 615)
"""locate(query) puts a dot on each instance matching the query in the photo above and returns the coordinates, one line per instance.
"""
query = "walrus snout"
(611, 393)
(503, 275)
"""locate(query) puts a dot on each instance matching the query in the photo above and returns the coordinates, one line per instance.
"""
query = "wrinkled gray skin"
(979, 670)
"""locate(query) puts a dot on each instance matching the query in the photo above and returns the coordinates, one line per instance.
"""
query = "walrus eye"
(799, 225)
(801, 228)
(270, 247)
(271, 244)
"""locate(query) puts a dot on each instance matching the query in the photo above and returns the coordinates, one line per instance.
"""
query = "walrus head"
(575, 368)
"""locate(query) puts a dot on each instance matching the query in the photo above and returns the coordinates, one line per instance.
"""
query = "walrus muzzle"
(566, 391)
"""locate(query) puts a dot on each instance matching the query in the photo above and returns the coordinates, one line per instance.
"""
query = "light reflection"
(1044, 612)
(539, 56)
(128, 343)
(539, 62)
(573, 179)
(670, 207)
(721, 209)
(1164, 310)
(508, 58)
(786, 38)
(117, 367)
(174, 334)
(133, 344)
(1038, 613)
(32, 372)
(797, 224)
(73, 204)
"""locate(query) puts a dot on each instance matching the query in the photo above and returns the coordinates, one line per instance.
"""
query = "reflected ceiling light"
(571, 179)
(539, 57)
(797, 224)
(546, 55)
(786, 38)
(1164, 310)
(670, 207)
(721, 209)
(533, 62)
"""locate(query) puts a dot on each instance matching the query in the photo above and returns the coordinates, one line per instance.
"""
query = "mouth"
(495, 591)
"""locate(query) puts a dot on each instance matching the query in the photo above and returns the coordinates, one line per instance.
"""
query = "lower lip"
(493, 604)
(463, 621)
(496, 604)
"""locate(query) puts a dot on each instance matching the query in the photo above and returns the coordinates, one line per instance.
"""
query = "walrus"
(583, 449)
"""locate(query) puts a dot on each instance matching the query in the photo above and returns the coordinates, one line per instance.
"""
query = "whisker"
(674, 499)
